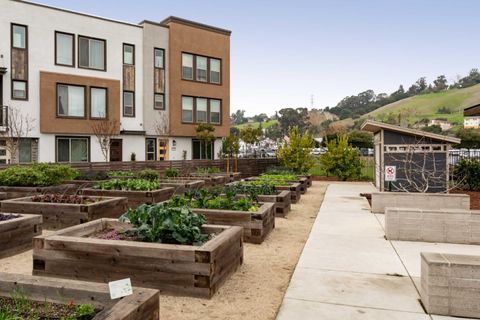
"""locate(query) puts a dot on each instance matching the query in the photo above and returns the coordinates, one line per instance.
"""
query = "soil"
(61, 198)
(6, 217)
(38, 310)
(474, 197)
(256, 290)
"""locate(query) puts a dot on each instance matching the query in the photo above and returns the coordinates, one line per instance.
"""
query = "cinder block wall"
(381, 200)
(448, 225)
(450, 284)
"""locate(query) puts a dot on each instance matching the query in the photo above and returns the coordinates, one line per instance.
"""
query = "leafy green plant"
(92, 176)
(129, 185)
(251, 191)
(172, 172)
(467, 173)
(205, 199)
(127, 174)
(340, 159)
(37, 175)
(149, 174)
(208, 171)
(295, 154)
(165, 224)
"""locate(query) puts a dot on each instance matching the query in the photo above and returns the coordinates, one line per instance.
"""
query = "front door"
(116, 150)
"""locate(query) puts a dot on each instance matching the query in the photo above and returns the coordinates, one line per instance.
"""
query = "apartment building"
(471, 117)
(68, 74)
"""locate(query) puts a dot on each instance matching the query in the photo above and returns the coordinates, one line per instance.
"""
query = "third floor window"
(201, 68)
(91, 53)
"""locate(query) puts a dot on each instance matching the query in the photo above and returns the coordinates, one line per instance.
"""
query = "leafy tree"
(260, 117)
(421, 84)
(205, 134)
(289, 117)
(434, 128)
(340, 159)
(238, 117)
(235, 131)
(274, 132)
(295, 154)
(440, 84)
(470, 138)
(360, 139)
(231, 147)
(250, 135)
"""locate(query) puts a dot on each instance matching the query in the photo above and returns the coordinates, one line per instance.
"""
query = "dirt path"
(256, 290)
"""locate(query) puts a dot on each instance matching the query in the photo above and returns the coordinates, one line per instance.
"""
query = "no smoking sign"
(390, 173)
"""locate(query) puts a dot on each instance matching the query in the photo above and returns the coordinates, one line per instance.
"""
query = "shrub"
(208, 171)
(128, 185)
(340, 159)
(295, 154)
(467, 173)
(37, 175)
(92, 176)
(114, 173)
(172, 172)
(149, 174)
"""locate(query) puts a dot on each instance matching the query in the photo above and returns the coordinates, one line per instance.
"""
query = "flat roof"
(194, 24)
(375, 126)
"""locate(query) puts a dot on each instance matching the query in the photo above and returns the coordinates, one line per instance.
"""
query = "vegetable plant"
(149, 174)
(121, 174)
(172, 172)
(62, 198)
(204, 199)
(128, 185)
(37, 175)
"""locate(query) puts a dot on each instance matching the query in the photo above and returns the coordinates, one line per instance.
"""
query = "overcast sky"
(283, 52)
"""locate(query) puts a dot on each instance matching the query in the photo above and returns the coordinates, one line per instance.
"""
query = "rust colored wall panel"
(129, 78)
(50, 123)
(19, 64)
(159, 85)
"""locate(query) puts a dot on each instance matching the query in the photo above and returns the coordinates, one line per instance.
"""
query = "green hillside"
(265, 124)
(427, 106)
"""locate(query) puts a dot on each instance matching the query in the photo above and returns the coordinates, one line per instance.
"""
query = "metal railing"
(457, 154)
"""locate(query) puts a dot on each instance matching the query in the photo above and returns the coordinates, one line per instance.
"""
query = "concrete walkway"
(348, 270)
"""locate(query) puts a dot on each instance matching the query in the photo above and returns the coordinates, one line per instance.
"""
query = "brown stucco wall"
(190, 39)
(50, 123)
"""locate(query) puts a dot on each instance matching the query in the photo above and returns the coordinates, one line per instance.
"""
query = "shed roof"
(472, 111)
(375, 126)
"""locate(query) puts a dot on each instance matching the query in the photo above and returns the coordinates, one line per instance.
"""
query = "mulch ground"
(474, 197)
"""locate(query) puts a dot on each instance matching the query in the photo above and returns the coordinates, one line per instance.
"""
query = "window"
(128, 54)
(128, 104)
(159, 102)
(159, 58)
(150, 149)
(64, 49)
(187, 109)
(201, 69)
(70, 101)
(187, 66)
(215, 67)
(98, 102)
(201, 115)
(202, 150)
(19, 36)
(19, 90)
(215, 106)
(72, 149)
(91, 53)
(25, 151)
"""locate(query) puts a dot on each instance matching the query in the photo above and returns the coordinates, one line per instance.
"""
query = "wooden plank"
(128, 77)
(159, 80)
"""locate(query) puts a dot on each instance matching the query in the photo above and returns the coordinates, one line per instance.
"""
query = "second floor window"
(187, 109)
(128, 104)
(98, 103)
(91, 53)
(70, 101)
(159, 102)
(64, 49)
(187, 66)
(215, 111)
(19, 90)
(202, 108)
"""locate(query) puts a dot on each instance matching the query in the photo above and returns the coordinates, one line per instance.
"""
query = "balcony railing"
(3, 118)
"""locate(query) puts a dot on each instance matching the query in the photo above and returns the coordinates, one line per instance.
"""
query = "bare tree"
(18, 126)
(105, 131)
(161, 124)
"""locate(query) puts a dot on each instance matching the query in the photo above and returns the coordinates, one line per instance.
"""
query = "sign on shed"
(390, 173)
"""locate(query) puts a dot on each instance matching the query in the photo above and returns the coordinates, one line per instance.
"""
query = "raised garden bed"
(61, 215)
(256, 225)
(282, 202)
(309, 179)
(142, 304)
(179, 269)
(294, 189)
(19, 192)
(181, 186)
(17, 232)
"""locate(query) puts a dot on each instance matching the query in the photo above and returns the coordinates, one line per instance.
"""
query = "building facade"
(68, 78)
(471, 117)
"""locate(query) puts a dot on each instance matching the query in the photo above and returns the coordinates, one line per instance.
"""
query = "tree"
(360, 139)
(250, 135)
(295, 154)
(289, 117)
(434, 128)
(440, 84)
(470, 138)
(231, 147)
(105, 131)
(205, 135)
(235, 131)
(238, 117)
(18, 126)
(260, 117)
(274, 132)
(340, 159)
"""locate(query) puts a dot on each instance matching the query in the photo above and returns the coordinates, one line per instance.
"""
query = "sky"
(283, 53)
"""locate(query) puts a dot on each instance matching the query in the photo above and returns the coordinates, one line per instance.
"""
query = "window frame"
(73, 49)
(163, 98)
(210, 71)
(207, 109)
(91, 105)
(194, 66)
(13, 89)
(84, 100)
(12, 48)
(123, 54)
(194, 110)
(212, 150)
(79, 37)
(219, 123)
(207, 68)
(12, 25)
(133, 104)
(155, 60)
(154, 147)
(70, 148)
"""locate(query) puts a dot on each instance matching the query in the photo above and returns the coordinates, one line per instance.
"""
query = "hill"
(265, 124)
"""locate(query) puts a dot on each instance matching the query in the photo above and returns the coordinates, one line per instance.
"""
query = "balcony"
(3, 118)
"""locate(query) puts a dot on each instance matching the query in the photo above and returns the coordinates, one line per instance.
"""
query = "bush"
(128, 185)
(340, 159)
(467, 173)
(295, 154)
(37, 175)
(92, 176)
(149, 174)
(172, 172)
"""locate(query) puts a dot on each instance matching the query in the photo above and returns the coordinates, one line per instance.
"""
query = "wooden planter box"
(135, 198)
(216, 179)
(19, 192)
(256, 225)
(309, 179)
(16, 234)
(179, 269)
(303, 184)
(208, 181)
(282, 201)
(142, 304)
(84, 183)
(295, 191)
(181, 186)
(61, 215)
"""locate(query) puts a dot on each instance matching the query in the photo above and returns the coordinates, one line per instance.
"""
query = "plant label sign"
(120, 288)
(390, 173)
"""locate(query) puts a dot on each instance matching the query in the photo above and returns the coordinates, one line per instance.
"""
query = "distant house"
(471, 117)
(443, 123)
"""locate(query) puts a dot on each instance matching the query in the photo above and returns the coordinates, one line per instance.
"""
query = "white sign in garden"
(120, 288)
(390, 173)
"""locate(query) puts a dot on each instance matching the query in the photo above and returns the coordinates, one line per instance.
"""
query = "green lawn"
(368, 169)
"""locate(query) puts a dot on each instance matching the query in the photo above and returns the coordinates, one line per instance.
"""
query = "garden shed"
(410, 160)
